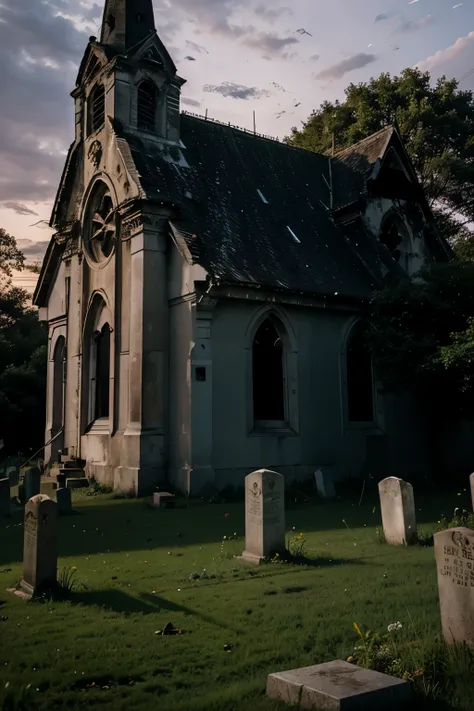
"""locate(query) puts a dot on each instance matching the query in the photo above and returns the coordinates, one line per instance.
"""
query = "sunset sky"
(280, 59)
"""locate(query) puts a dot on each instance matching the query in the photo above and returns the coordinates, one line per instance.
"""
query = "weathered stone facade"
(152, 356)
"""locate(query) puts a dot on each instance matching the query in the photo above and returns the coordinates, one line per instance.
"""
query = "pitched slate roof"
(251, 209)
(353, 166)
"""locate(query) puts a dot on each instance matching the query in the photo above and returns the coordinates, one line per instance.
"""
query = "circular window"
(101, 225)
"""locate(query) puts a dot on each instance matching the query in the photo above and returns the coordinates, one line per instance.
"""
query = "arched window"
(360, 381)
(99, 383)
(96, 105)
(59, 379)
(268, 374)
(147, 105)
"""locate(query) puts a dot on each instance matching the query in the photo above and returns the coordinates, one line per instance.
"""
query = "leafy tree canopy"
(436, 124)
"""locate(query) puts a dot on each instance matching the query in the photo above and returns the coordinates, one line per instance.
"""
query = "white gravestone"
(454, 553)
(40, 558)
(397, 504)
(264, 515)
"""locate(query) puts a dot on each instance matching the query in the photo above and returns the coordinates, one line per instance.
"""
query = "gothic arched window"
(360, 381)
(59, 379)
(268, 375)
(99, 388)
(100, 224)
(147, 105)
(96, 109)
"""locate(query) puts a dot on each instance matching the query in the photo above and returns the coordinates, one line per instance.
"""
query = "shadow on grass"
(147, 604)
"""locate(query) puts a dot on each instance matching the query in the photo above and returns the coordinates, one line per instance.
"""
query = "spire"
(126, 23)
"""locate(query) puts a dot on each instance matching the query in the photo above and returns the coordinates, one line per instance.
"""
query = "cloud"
(269, 42)
(18, 208)
(39, 53)
(453, 61)
(414, 25)
(337, 71)
(236, 91)
(272, 15)
(190, 102)
(33, 251)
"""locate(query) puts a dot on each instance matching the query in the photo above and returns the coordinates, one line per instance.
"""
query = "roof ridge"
(385, 129)
(249, 132)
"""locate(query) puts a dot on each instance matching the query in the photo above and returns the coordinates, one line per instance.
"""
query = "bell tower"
(126, 23)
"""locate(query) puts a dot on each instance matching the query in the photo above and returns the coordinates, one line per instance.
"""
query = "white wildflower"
(394, 626)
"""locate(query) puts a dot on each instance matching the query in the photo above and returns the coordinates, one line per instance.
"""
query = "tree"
(421, 336)
(23, 357)
(436, 124)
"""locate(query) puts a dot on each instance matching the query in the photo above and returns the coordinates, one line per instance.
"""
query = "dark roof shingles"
(231, 231)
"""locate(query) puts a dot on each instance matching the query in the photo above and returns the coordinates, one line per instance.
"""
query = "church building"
(204, 287)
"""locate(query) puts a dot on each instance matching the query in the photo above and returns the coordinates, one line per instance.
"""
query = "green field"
(100, 649)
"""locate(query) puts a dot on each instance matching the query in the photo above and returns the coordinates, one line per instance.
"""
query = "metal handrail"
(43, 447)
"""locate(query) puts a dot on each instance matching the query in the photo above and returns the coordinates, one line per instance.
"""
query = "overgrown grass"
(139, 568)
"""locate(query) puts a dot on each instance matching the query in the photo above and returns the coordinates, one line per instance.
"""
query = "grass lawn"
(100, 649)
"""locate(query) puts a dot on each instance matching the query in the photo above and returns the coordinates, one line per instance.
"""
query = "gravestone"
(339, 686)
(32, 483)
(64, 501)
(40, 558)
(163, 500)
(5, 497)
(454, 553)
(324, 483)
(264, 515)
(398, 511)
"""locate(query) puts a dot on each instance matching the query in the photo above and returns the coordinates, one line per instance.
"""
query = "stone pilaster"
(144, 455)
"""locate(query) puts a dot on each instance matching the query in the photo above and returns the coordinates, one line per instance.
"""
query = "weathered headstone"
(5, 497)
(339, 686)
(32, 483)
(398, 511)
(324, 483)
(264, 515)
(64, 501)
(163, 500)
(454, 553)
(40, 558)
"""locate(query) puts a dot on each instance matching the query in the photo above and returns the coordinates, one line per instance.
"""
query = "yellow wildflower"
(225, 538)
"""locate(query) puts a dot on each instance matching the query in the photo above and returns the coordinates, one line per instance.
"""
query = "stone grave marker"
(5, 509)
(32, 483)
(398, 511)
(64, 501)
(454, 553)
(324, 483)
(264, 515)
(40, 558)
(163, 500)
(339, 686)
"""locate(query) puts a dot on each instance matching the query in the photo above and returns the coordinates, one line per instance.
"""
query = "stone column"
(143, 461)
(398, 511)
(264, 515)
(454, 553)
(202, 470)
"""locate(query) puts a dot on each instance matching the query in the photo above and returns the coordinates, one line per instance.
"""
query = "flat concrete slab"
(339, 686)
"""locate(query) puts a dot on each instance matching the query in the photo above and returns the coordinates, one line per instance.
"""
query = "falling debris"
(278, 86)
(458, 5)
(280, 114)
(197, 47)
(190, 59)
(370, 45)
(298, 104)
(412, 2)
(302, 31)
(293, 235)
(262, 197)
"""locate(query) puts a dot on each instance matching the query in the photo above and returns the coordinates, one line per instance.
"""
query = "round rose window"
(101, 227)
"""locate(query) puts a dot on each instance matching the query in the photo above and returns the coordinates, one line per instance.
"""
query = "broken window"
(268, 375)
(360, 383)
(147, 104)
(96, 108)
(100, 374)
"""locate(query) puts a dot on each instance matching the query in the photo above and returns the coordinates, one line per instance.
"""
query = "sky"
(281, 59)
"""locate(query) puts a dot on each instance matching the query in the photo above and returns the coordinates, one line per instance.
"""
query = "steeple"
(126, 23)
